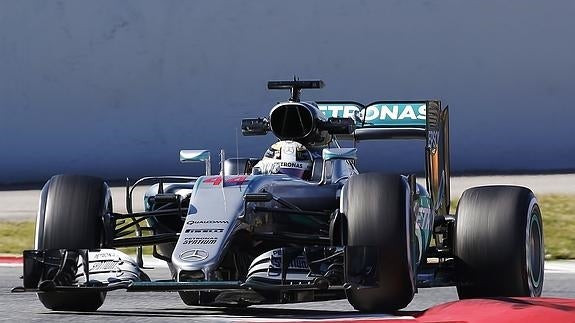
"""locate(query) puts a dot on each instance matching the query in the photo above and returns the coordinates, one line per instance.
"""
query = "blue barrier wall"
(116, 88)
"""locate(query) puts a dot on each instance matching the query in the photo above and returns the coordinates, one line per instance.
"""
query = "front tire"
(378, 213)
(499, 243)
(70, 217)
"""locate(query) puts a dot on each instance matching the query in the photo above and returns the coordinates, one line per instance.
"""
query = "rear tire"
(499, 243)
(378, 213)
(70, 217)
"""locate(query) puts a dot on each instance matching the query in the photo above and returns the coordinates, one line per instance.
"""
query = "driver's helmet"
(286, 157)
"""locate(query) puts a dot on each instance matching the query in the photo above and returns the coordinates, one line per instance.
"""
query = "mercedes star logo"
(194, 255)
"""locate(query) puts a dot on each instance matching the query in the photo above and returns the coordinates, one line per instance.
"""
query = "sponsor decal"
(203, 230)
(194, 255)
(422, 219)
(191, 222)
(200, 240)
(380, 114)
(103, 255)
(103, 265)
(275, 167)
(424, 214)
(339, 110)
(394, 112)
(432, 138)
(298, 263)
(289, 164)
(229, 180)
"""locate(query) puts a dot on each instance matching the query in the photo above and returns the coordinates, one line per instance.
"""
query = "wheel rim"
(534, 251)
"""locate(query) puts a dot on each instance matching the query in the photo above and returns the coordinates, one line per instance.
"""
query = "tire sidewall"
(493, 242)
(534, 272)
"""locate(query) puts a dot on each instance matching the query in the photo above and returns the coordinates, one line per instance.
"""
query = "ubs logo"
(194, 255)
(432, 138)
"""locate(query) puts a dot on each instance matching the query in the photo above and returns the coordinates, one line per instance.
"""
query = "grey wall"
(116, 88)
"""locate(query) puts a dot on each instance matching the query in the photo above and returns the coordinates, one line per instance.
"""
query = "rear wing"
(425, 120)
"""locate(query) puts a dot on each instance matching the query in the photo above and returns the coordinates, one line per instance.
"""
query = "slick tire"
(378, 214)
(498, 243)
(70, 217)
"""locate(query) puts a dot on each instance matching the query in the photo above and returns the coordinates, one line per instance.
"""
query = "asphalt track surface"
(122, 306)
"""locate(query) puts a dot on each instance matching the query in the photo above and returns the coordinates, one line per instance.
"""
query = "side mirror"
(328, 154)
(191, 156)
(339, 153)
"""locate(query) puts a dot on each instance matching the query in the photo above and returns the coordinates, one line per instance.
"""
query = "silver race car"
(299, 224)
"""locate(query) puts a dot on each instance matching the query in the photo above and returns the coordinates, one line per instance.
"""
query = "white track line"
(356, 317)
(560, 267)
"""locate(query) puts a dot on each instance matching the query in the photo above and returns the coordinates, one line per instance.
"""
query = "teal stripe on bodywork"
(339, 153)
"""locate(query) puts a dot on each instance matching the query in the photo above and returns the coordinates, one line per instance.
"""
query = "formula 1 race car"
(300, 224)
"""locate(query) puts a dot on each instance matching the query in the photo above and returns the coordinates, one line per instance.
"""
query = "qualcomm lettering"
(380, 113)
(207, 222)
